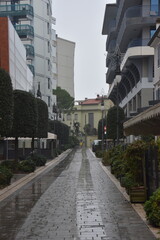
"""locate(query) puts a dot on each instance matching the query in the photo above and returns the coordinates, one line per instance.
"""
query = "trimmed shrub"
(152, 208)
(11, 165)
(5, 176)
(27, 166)
(39, 160)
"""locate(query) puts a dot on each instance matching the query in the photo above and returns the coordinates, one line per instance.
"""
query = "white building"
(65, 65)
(13, 57)
(33, 21)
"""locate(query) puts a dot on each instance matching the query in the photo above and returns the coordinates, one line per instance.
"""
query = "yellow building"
(88, 111)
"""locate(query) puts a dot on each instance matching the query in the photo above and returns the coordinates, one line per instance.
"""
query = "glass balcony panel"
(31, 67)
(25, 31)
(21, 10)
(139, 11)
(138, 42)
(29, 51)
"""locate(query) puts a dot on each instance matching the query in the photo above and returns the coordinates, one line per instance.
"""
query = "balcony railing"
(138, 42)
(139, 11)
(29, 51)
(25, 31)
(31, 67)
(19, 10)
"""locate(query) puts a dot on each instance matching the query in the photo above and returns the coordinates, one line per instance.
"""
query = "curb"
(12, 189)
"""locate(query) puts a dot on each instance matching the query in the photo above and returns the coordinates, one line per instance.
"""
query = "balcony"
(138, 42)
(29, 51)
(134, 20)
(25, 31)
(17, 10)
(31, 67)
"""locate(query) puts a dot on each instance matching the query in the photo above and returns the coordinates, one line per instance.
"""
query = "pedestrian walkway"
(76, 200)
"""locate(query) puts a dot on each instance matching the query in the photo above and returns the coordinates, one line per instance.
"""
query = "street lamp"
(117, 81)
(102, 108)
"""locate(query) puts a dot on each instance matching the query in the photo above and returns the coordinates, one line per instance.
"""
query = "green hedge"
(5, 176)
(152, 208)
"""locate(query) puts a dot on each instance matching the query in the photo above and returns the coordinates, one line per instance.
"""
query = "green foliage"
(42, 119)
(64, 100)
(106, 158)
(152, 208)
(39, 160)
(99, 153)
(134, 156)
(27, 166)
(73, 141)
(6, 103)
(61, 130)
(112, 122)
(11, 165)
(5, 175)
(25, 115)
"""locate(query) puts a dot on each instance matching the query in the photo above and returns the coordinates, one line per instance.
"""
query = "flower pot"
(138, 194)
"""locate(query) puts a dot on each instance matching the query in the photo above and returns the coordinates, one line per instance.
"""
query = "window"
(49, 83)
(49, 67)
(48, 28)
(154, 7)
(76, 117)
(49, 101)
(158, 94)
(68, 117)
(152, 31)
(158, 57)
(48, 46)
(47, 8)
(91, 119)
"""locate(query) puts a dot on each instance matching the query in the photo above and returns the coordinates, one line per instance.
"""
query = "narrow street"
(75, 200)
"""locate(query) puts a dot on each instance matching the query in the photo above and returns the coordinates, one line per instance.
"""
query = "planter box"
(138, 194)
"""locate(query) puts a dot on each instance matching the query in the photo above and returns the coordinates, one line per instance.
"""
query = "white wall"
(20, 74)
(65, 58)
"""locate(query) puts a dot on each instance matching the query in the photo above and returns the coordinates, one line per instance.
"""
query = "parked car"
(96, 145)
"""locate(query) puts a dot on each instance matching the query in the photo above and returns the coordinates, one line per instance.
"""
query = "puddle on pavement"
(14, 211)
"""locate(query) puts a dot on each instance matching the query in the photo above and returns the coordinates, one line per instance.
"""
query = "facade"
(13, 57)
(147, 122)
(88, 111)
(65, 65)
(129, 26)
(33, 21)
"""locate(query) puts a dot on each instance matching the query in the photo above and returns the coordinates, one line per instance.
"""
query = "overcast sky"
(81, 22)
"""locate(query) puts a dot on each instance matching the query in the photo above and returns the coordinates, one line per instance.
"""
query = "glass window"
(91, 119)
(158, 56)
(49, 83)
(154, 7)
(49, 101)
(152, 31)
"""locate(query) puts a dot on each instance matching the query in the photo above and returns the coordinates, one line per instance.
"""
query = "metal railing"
(139, 42)
(29, 51)
(16, 10)
(25, 30)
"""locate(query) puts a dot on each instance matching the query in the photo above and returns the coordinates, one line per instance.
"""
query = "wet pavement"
(75, 200)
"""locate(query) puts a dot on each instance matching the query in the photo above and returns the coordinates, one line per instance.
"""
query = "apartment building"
(33, 21)
(129, 26)
(65, 65)
(88, 111)
(13, 57)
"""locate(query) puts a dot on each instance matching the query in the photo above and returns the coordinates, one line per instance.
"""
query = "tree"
(42, 126)
(6, 103)
(24, 117)
(61, 130)
(112, 123)
(64, 100)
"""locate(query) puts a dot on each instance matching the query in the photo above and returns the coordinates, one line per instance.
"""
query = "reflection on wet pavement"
(76, 200)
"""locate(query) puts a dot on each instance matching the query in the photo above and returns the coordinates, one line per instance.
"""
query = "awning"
(145, 123)
(51, 136)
